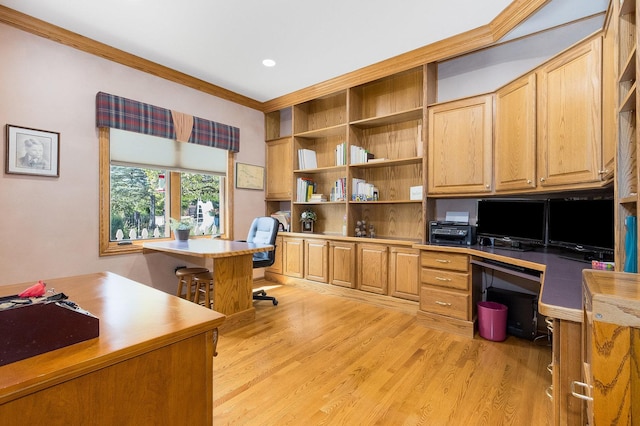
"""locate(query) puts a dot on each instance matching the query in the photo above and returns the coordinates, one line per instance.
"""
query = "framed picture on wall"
(32, 152)
(249, 176)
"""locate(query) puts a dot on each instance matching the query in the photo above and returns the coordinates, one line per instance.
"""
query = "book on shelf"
(307, 159)
(304, 188)
(339, 190)
(341, 154)
(359, 155)
(318, 198)
(376, 160)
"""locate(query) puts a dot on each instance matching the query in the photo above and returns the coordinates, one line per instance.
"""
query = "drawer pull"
(443, 279)
(442, 303)
(550, 368)
(549, 322)
(579, 395)
(443, 261)
(549, 392)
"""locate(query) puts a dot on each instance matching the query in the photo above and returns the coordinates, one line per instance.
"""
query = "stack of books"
(304, 188)
(307, 159)
(318, 198)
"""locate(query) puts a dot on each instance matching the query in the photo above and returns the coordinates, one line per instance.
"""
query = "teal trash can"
(492, 321)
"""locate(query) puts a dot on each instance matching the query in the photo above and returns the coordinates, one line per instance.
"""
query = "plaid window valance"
(126, 114)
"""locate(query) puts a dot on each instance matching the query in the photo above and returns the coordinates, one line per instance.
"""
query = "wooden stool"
(185, 281)
(203, 286)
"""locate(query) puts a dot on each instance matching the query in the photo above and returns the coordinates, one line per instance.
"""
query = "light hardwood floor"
(325, 356)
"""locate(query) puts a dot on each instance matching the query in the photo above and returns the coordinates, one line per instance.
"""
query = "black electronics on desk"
(515, 224)
(451, 233)
(585, 227)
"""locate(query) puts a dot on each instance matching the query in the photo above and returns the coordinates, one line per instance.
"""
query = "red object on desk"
(35, 290)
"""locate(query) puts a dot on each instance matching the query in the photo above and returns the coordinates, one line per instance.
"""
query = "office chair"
(263, 230)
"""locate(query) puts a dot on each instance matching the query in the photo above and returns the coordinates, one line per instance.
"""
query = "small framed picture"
(32, 152)
(249, 176)
(307, 226)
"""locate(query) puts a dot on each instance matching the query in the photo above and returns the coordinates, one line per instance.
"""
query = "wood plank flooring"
(322, 358)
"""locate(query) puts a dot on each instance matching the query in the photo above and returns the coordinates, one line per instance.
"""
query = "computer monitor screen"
(582, 224)
(512, 220)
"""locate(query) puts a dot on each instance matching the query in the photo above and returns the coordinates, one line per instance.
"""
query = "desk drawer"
(441, 260)
(444, 302)
(445, 279)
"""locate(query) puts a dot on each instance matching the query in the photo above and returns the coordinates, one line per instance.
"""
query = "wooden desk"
(151, 364)
(232, 268)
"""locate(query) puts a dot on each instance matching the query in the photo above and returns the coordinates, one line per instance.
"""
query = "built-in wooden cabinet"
(404, 272)
(342, 264)
(317, 260)
(293, 257)
(515, 136)
(565, 368)
(447, 293)
(460, 154)
(372, 267)
(610, 382)
(570, 117)
(627, 108)
(279, 161)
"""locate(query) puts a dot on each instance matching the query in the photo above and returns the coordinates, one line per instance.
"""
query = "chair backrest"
(263, 230)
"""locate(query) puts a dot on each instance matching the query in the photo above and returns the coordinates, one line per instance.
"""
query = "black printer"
(452, 233)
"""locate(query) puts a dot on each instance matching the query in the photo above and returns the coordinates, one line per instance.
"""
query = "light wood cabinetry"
(317, 260)
(293, 257)
(342, 264)
(447, 292)
(570, 117)
(565, 368)
(611, 348)
(626, 181)
(280, 165)
(460, 153)
(372, 267)
(515, 135)
(404, 273)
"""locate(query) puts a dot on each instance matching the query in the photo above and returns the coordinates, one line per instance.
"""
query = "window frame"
(108, 247)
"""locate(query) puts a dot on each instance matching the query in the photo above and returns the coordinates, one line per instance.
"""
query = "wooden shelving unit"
(626, 181)
(383, 117)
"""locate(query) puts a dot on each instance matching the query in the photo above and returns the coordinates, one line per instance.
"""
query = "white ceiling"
(224, 42)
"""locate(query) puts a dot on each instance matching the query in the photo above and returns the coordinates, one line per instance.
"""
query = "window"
(146, 180)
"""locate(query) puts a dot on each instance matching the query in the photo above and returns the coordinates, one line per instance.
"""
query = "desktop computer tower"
(522, 314)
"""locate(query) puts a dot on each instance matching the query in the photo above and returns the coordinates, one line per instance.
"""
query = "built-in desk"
(560, 300)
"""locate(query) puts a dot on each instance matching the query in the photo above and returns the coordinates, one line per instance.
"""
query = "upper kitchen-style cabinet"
(515, 135)
(461, 146)
(570, 117)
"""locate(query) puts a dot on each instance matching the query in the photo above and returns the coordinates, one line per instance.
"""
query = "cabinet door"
(277, 263)
(342, 264)
(460, 146)
(317, 260)
(372, 268)
(569, 117)
(515, 138)
(404, 270)
(293, 252)
(279, 169)
(609, 109)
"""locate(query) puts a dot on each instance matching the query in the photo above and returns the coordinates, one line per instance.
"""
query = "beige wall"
(50, 225)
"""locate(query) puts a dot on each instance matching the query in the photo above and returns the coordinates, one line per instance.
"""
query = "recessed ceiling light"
(269, 63)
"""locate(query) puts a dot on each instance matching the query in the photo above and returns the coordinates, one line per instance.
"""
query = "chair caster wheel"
(275, 303)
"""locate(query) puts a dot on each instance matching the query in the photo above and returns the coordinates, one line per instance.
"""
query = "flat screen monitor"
(582, 225)
(514, 223)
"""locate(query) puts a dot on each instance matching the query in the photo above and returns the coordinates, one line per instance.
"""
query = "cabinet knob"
(542, 179)
(488, 186)
(528, 181)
